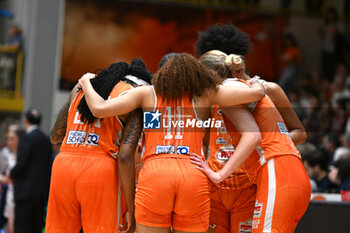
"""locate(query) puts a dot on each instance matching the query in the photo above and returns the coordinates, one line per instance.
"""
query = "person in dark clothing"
(31, 176)
(316, 166)
(340, 173)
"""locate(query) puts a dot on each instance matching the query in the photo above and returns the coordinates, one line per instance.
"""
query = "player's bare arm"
(236, 95)
(245, 123)
(126, 165)
(121, 105)
(58, 131)
(281, 101)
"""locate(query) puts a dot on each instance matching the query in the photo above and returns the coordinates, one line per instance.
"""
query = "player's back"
(99, 137)
(172, 129)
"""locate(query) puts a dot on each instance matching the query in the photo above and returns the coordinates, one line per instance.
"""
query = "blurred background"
(304, 45)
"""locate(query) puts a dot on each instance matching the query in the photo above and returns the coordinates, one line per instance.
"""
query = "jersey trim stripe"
(271, 197)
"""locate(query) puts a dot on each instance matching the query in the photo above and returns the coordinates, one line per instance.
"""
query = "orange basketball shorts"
(83, 192)
(172, 192)
(283, 195)
(232, 210)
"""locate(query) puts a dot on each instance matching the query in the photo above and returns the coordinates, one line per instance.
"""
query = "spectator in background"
(15, 38)
(31, 176)
(330, 144)
(8, 62)
(5, 154)
(331, 34)
(344, 149)
(9, 210)
(316, 166)
(291, 58)
(340, 175)
(339, 118)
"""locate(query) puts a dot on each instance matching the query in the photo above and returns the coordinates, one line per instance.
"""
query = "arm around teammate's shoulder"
(101, 108)
(281, 101)
(234, 95)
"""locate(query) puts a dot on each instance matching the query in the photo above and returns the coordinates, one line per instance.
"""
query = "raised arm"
(121, 105)
(245, 123)
(279, 98)
(236, 95)
(58, 131)
(126, 165)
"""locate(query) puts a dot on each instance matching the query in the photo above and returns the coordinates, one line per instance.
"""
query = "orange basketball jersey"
(221, 150)
(276, 140)
(172, 129)
(100, 136)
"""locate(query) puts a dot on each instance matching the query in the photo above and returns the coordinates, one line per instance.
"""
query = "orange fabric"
(276, 140)
(102, 135)
(173, 138)
(232, 210)
(221, 149)
(74, 199)
(172, 192)
(283, 191)
(84, 176)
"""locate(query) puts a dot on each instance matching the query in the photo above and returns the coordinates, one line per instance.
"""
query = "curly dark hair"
(183, 74)
(106, 80)
(215, 60)
(226, 38)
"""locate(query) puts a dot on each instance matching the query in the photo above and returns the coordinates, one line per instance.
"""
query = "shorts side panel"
(283, 195)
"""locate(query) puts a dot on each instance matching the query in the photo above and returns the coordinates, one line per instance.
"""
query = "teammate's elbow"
(301, 138)
(125, 158)
(97, 111)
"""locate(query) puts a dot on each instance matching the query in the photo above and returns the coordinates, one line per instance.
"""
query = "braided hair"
(226, 38)
(106, 80)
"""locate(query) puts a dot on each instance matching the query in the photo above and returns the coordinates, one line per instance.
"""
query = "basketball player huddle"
(216, 147)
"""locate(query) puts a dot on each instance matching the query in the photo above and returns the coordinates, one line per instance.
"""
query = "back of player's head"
(33, 116)
(165, 58)
(226, 38)
(183, 74)
(106, 80)
(215, 60)
(317, 157)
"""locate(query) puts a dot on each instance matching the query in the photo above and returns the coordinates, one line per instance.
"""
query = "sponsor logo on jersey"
(245, 227)
(183, 150)
(257, 209)
(283, 129)
(225, 153)
(76, 137)
(221, 141)
(151, 120)
(255, 223)
(92, 139)
(165, 149)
